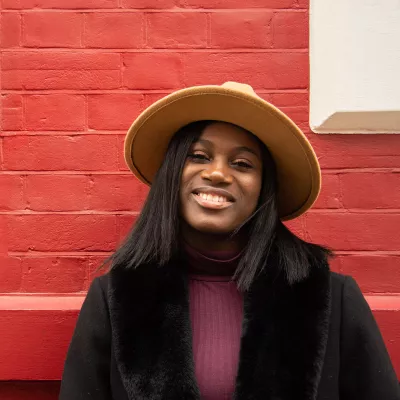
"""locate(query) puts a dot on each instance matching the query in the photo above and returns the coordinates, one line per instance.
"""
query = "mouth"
(216, 199)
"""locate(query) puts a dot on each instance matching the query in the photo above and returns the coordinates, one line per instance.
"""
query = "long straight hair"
(155, 237)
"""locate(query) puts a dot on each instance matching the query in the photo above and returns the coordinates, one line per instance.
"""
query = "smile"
(216, 202)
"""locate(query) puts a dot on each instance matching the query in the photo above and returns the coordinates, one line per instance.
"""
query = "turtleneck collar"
(211, 263)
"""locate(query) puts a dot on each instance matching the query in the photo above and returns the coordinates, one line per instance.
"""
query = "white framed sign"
(355, 66)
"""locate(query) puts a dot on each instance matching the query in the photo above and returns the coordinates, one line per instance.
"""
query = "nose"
(217, 172)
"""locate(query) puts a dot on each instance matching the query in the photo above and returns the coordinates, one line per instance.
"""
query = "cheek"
(184, 190)
(184, 179)
(251, 190)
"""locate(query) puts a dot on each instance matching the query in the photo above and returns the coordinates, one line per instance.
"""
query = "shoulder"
(337, 284)
(97, 295)
(350, 302)
(346, 283)
(102, 282)
(347, 298)
(337, 278)
(343, 282)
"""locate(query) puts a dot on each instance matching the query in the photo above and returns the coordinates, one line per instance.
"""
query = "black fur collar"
(285, 332)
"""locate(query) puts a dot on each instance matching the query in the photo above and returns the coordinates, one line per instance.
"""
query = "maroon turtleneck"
(216, 309)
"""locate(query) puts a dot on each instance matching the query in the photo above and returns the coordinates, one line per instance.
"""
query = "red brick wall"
(75, 73)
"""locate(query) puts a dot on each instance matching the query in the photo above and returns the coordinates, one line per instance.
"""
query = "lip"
(211, 204)
(215, 192)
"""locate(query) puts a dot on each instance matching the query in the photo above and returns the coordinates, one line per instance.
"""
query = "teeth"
(213, 198)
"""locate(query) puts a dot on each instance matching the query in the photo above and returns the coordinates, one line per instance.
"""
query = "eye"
(242, 164)
(198, 157)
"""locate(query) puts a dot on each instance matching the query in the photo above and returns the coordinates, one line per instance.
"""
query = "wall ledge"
(36, 330)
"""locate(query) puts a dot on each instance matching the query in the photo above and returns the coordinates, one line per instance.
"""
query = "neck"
(204, 242)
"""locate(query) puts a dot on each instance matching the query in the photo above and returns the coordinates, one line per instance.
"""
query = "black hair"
(155, 237)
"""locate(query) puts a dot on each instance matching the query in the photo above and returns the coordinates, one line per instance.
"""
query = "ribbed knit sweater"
(216, 309)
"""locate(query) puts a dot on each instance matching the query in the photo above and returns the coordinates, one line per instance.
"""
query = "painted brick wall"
(75, 73)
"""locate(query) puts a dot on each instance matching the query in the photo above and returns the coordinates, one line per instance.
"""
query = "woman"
(211, 296)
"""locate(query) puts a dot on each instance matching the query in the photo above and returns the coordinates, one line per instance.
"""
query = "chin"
(212, 228)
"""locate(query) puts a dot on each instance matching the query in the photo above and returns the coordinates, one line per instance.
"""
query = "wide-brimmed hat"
(299, 175)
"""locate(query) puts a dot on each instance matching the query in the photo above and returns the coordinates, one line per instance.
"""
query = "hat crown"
(241, 87)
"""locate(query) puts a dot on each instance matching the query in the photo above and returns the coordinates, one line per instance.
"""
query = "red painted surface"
(17, 390)
(40, 352)
(75, 73)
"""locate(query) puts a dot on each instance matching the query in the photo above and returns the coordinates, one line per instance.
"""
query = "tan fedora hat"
(299, 174)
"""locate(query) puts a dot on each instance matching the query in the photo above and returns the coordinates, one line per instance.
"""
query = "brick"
(237, 4)
(150, 98)
(280, 70)
(62, 232)
(290, 30)
(55, 112)
(334, 264)
(330, 196)
(175, 30)
(302, 4)
(113, 111)
(53, 274)
(153, 71)
(145, 4)
(56, 60)
(357, 151)
(59, 4)
(241, 29)
(371, 190)
(11, 192)
(3, 236)
(60, 153)
(374, 273)
(350, 231)
(296, 226)
(52, 29)
(299, 115)
(11, 274)
(10, 30)
(114, 30)
(120, 152)
(1, 155)
(117, 193)
(95, 268)
(288, 99)
(61, 79)
(12, 112)
(125, 224)
(57, 192)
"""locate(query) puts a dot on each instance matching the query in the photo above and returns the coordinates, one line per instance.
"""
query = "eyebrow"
(237, 149)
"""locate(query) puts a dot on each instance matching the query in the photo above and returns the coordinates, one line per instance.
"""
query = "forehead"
(227, 135)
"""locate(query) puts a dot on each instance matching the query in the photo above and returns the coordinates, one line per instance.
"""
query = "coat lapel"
(285, 332)
(151, 333)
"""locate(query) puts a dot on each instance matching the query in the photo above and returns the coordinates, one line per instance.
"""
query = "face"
(221, 179)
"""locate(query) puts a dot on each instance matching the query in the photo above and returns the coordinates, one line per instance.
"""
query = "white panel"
(355, 66)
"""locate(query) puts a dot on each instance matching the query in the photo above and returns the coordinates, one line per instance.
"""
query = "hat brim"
(299, 176)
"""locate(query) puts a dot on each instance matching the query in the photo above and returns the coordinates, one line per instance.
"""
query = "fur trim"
(285, 333)
(151, 333)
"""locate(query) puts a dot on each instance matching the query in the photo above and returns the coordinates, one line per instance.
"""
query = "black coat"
(316, 340)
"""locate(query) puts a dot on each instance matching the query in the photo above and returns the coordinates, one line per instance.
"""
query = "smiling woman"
(221, 182)
(211, 296)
